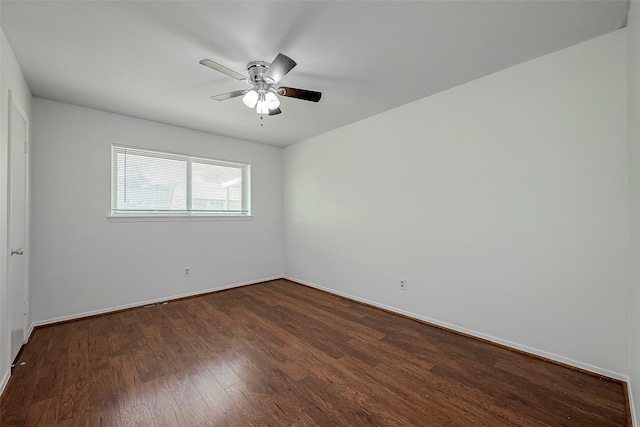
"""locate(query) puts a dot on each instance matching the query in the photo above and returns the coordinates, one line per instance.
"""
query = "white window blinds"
(153, 183)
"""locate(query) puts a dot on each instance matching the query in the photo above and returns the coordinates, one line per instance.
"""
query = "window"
(154, 183)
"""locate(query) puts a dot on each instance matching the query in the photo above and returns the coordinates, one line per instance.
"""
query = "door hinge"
(25, 308)
(26, 147)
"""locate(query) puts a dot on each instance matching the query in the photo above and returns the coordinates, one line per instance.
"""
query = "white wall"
(11, 78)
(83, 263)
(503, 202)
(633, 74)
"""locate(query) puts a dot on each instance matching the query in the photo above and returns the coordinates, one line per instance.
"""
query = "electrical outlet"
(403, 284)
(187, 271)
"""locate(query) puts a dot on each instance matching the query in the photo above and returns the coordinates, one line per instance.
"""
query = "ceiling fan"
(261, 95)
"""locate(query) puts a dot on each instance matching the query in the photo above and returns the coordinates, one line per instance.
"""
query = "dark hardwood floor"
(279, 353)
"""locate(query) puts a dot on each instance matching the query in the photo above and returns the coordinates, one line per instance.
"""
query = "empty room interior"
(299, 213)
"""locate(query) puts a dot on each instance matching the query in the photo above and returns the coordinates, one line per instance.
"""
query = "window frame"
(117, 215)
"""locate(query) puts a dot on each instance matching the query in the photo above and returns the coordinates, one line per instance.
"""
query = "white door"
(18, 134)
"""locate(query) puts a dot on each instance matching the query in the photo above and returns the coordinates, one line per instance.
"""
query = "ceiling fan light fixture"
(272, 100)
(250, 99)
(263, 105)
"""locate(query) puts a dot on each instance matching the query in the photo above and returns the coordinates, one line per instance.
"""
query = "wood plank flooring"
(282, 354)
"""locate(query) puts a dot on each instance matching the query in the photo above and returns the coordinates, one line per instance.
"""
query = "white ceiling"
(140, 58)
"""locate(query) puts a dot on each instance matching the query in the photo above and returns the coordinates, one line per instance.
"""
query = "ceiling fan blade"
(274, 112)
(280, 67)
(307, 95)
(229, 95)
(221, 68)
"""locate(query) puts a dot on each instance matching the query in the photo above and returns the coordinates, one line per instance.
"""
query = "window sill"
(185, 218)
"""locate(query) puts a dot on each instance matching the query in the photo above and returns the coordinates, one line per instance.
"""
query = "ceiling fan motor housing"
(256, 70)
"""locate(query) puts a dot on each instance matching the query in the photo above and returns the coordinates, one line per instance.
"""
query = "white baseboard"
(585, 366)
(634, 420)
(147, 302)
(29, 332)
(5, 380)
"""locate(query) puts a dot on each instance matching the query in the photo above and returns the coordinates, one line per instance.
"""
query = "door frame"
(27, 220)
